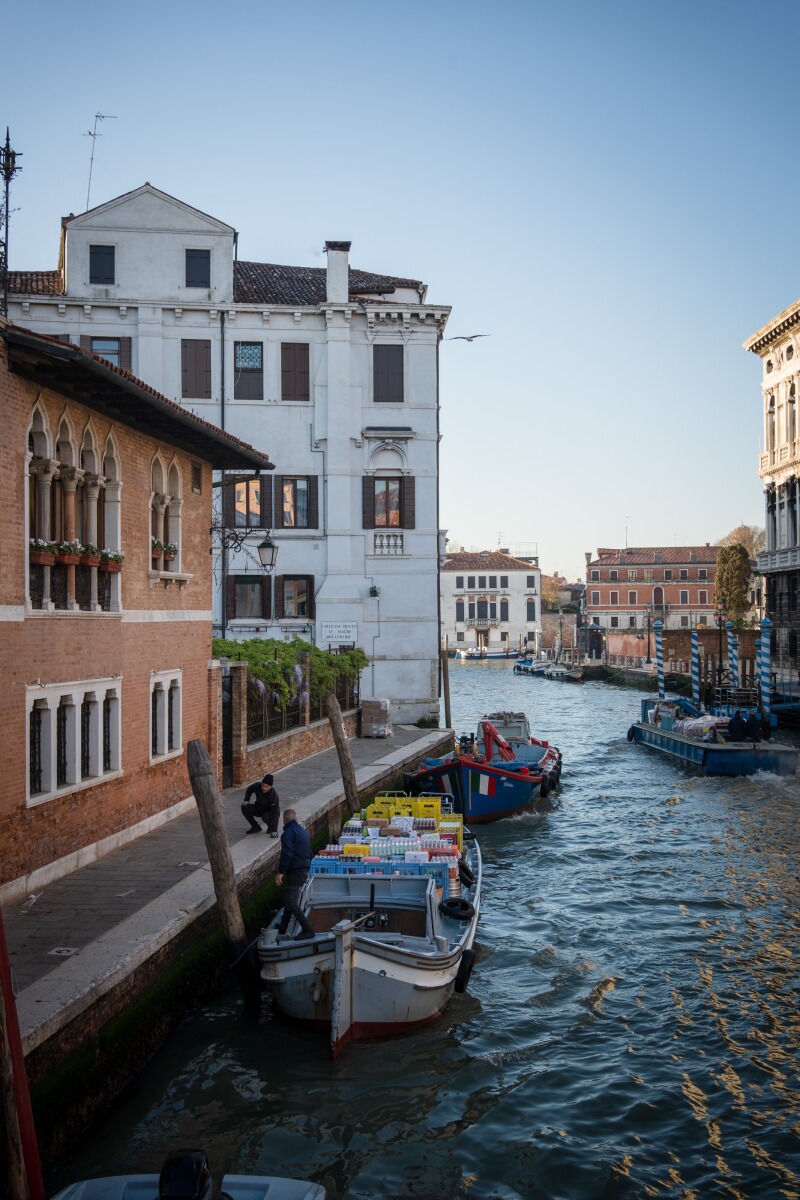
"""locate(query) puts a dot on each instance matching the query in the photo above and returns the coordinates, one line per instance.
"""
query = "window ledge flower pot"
(68, 560)
(90, 560)
(40, 558)
(106, 564)
(168, 557)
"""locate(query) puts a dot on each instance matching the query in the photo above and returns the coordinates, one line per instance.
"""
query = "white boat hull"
(367, 983)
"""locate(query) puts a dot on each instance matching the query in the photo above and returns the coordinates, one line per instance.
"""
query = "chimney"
(588, 556)
(503, 550)
(338, 274)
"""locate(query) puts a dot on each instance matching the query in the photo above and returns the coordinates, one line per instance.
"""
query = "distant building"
(106, 665)
(491, 601)
(335, 367)
(777, 344)
(673, 584)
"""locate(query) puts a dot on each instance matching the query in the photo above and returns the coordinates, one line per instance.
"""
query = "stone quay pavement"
(84, 933)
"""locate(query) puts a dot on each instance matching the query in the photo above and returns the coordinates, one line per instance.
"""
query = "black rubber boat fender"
(464, 970)
(630, 734)
(465, 874)
(457, 908)
(544, 787)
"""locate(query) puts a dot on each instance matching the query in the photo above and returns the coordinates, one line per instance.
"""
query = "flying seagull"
(471, 337)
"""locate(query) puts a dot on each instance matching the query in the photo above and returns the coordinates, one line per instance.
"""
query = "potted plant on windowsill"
(170, 550)
(111, 560)
(90, 555)
(156, 548)
(41, 552)
(69, 553)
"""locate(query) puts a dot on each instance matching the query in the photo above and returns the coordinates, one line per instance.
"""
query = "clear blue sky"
(603, 187)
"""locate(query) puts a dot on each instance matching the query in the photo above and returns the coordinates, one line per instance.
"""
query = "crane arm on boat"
(492, 737)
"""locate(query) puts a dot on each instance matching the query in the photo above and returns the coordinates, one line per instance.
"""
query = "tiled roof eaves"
(35, 283)
(646, 555)
(103, 367)
(492, 561)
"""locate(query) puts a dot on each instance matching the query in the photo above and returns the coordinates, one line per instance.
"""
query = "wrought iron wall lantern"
(237, 540)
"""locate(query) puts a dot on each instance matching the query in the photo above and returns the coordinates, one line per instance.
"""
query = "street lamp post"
(720, 616)
(649, 617)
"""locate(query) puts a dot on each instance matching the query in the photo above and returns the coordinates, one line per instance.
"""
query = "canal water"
(631, 1027)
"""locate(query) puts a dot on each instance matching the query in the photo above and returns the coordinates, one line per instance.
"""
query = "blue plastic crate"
(341, 866)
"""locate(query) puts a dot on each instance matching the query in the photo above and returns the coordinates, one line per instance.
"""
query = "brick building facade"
(625, 588)
(106, 671)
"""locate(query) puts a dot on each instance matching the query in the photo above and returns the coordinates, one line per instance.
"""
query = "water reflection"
(631, 1028)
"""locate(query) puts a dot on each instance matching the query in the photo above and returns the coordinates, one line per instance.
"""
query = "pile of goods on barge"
(711, 741)
(394, 907)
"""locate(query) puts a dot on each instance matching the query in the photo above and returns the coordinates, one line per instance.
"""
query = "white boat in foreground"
(186, 1176)
(393, 941)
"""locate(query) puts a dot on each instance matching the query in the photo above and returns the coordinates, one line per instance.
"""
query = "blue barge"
(712, 757)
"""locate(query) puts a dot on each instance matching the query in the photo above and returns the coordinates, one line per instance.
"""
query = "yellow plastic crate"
(428, 808)
(359, 849)
(453, 827)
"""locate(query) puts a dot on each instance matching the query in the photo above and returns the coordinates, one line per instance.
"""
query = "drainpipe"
(438, 563)
(224, 559)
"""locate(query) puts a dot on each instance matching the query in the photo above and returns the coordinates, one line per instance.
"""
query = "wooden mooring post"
(446, 683)
(209, 806)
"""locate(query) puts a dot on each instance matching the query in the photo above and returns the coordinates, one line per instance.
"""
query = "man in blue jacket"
(294, 864)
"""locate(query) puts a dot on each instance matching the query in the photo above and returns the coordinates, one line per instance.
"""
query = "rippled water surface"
(631, 1028)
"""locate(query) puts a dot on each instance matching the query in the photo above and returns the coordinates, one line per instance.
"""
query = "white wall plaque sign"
(338, 632)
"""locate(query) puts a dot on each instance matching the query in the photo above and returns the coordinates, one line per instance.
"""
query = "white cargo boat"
(390, 946)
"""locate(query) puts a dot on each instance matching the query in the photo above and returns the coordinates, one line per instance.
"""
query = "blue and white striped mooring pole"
(733, 655)
(764, 665)
(695, 668)
(659, 659)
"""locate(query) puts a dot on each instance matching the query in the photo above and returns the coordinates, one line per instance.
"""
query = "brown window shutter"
(288, 386)
(266, 598)
(230, 598)
(196, 368)
(266, 501)
(184, 368)
(396, 374)
(125, 358)
(387, 366)
(311, 598)
(278, 501)
(313, 502)
(204, 351)
(409, 502)
(86, 342)
(279, 598)
(228, 505)
(368, 501)
(301, 372)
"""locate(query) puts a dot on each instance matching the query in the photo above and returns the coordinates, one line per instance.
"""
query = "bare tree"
(752, 537)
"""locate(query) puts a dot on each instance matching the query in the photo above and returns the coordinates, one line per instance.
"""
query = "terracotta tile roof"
(634, 556)
(487, 560)
(36, 283)
(184, 417)
(253, 283)
(270, 283)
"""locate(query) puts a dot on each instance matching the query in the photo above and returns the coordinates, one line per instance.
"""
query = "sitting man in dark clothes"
(294, 864)
(261, 800)
(753, 727)
(737, 730)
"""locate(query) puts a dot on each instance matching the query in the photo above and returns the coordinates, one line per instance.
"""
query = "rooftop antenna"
(94, 135)
(8, 169)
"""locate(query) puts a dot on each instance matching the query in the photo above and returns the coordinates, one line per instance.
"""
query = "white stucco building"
(334, 368)
(491, 601)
